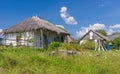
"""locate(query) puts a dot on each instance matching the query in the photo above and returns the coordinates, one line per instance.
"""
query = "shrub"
(110, 43)
(10, 45)
(70, 46)
(117, 42)
(30, 40)
(54, 46)
(89, 44)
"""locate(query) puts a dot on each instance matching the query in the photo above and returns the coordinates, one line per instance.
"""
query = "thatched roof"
(98, 34)
(112, 37)
(34, 23)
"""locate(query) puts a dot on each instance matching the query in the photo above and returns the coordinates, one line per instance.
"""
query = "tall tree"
(103, 32)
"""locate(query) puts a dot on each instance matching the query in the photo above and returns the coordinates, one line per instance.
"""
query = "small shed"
(97, 38)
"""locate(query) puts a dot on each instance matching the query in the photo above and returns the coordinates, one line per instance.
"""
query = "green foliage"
(63, 46)
(30, 40)
(54, 46)
(70, 46)
(89, 44)
(10, 45)
(103, 32)
(117, 42)
(21, 60)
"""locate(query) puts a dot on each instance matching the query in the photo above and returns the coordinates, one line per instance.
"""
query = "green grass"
(21, 60)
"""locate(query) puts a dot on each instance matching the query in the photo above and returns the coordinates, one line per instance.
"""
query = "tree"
(103, 32)
(117, 42)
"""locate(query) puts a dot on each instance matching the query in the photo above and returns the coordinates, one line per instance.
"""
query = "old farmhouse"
(34, 32)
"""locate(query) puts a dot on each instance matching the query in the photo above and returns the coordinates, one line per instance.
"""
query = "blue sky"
(77, 16)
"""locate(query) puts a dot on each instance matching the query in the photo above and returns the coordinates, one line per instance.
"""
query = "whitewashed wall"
(51, 36)
(11, 38)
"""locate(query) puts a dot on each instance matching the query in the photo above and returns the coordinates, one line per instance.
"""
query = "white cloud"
(114, 28)
(97, 26)
(66, 17)
(83, 30)
(110, 31)
(60, 26)
(117, 26)
(63, 9)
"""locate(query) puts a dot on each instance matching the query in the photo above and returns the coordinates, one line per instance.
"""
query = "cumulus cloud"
(114, 28)
(60, 26)
(63, 9)
(97, 26)
(117, 26)
(83, 30)
(110, 31)
(66, 17)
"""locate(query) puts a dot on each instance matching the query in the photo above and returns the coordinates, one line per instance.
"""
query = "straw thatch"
(112, 37)
(34, 23)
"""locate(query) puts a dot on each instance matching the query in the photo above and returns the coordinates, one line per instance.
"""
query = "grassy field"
(23, 60)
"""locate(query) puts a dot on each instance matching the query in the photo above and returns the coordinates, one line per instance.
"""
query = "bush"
(70, 46)
(110, 43)
(54, 46)
(10, 45)
(117, 42)
(30, 40)
(89, 44)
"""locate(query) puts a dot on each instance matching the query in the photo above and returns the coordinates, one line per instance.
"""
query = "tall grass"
(14, 60)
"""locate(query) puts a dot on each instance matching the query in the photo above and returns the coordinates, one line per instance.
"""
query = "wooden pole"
(41, 38)
(66, 38)
(5, 39)
(24, 37)
(98, 45)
